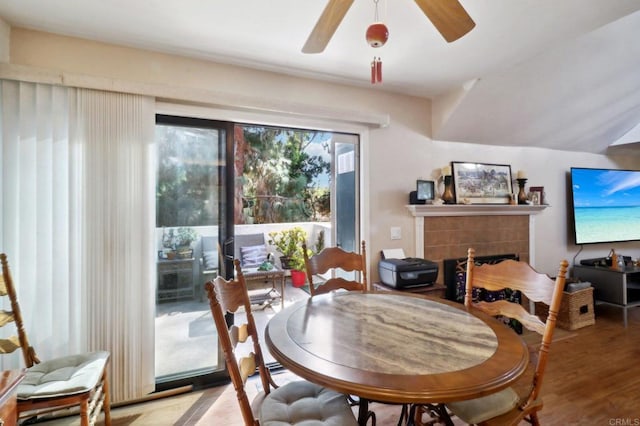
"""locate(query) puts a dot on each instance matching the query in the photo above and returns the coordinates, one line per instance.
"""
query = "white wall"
(394, 156)
(5, 33)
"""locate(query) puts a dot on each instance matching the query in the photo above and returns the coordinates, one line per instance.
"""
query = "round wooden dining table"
(395, 347)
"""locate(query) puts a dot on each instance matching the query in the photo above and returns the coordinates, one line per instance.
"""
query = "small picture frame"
(535, 198)
(536, 193)
(480, 183)
(425, 190)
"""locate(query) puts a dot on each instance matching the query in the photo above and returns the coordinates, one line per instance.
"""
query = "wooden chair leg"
(437, 412)
(106, 405)
(84, 413)
(534, 419)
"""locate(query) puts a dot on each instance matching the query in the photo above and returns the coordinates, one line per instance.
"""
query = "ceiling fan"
(448, 16)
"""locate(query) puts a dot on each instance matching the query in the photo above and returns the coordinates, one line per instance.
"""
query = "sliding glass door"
(192, 215)
(219, 184)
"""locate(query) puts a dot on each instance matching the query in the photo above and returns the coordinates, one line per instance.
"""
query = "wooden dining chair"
(335, 259)
(512, 405)
(71, 381)
(298, 402)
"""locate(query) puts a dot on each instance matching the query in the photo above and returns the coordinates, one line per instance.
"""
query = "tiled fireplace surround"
(447, 231)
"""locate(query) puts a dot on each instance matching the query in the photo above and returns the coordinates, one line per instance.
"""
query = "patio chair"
(510, 407)
(298, 402)
(336, 261)
(75, 380)
(251, 251)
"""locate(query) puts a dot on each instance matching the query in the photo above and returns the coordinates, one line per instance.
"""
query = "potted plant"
(168, 243)
(288, 242)
(183, 240)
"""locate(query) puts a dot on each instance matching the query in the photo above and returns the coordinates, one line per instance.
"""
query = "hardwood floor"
(592, 378)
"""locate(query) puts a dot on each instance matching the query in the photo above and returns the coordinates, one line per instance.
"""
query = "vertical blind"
(77, 222)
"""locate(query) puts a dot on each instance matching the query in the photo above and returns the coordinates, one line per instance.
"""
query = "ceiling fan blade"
(326, 25)
(448, 16)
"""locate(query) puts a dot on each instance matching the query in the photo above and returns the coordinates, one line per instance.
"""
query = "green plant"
(296, 261)
(185, 237)
(319, 242)
(289, 243)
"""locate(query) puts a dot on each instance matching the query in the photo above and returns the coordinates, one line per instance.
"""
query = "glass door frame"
(338, 143)
(225, 229)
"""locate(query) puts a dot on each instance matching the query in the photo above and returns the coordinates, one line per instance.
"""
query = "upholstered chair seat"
(67, 375)
(304, 403)
(477, 410)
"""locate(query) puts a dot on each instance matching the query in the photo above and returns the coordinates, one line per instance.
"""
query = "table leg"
(282, 284)
(404, 415)
(364, 413)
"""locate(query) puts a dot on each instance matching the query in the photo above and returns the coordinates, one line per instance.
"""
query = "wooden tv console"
(618, 287)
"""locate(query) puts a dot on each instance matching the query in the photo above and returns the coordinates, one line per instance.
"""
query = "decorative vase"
(522, 196)
(447, 195)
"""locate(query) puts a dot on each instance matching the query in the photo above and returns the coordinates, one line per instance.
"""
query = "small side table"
(257, 279)
(434, 290)
(175, 279)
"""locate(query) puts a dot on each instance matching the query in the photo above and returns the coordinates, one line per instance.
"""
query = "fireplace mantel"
(422, 211)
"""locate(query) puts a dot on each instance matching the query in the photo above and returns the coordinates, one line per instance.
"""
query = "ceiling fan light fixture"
(377, 34)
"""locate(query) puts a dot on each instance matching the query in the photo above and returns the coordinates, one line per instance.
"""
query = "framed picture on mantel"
(481, 183)
(537, 192)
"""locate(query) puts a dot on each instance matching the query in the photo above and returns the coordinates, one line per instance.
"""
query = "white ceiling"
(552, 73)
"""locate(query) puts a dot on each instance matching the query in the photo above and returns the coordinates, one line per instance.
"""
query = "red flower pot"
(297, 278)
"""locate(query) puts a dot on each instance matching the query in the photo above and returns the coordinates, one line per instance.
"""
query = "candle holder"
(447, 194)
(522, 196)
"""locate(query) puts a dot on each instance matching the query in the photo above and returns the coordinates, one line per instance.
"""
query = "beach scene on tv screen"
(606, 205)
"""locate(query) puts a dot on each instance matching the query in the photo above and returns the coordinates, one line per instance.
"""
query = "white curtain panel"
(78, 215)
(113, 140)
(35, 212)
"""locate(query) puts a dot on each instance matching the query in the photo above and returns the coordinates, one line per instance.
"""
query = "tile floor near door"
(186, 338)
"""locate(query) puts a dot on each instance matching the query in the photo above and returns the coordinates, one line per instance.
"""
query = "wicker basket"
(576, 310)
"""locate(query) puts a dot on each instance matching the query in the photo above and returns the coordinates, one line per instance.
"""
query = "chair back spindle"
(228, 297)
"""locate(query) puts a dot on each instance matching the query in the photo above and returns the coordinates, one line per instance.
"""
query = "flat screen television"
(606, 205)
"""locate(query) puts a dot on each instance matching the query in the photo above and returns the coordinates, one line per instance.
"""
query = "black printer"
(407, 272)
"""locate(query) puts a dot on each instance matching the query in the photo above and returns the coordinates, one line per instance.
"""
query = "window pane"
(187, 162)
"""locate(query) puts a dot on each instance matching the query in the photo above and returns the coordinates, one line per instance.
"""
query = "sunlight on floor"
(185, 335)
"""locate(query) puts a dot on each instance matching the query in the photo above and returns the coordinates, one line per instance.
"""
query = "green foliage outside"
(280, 180)
(187, 176)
